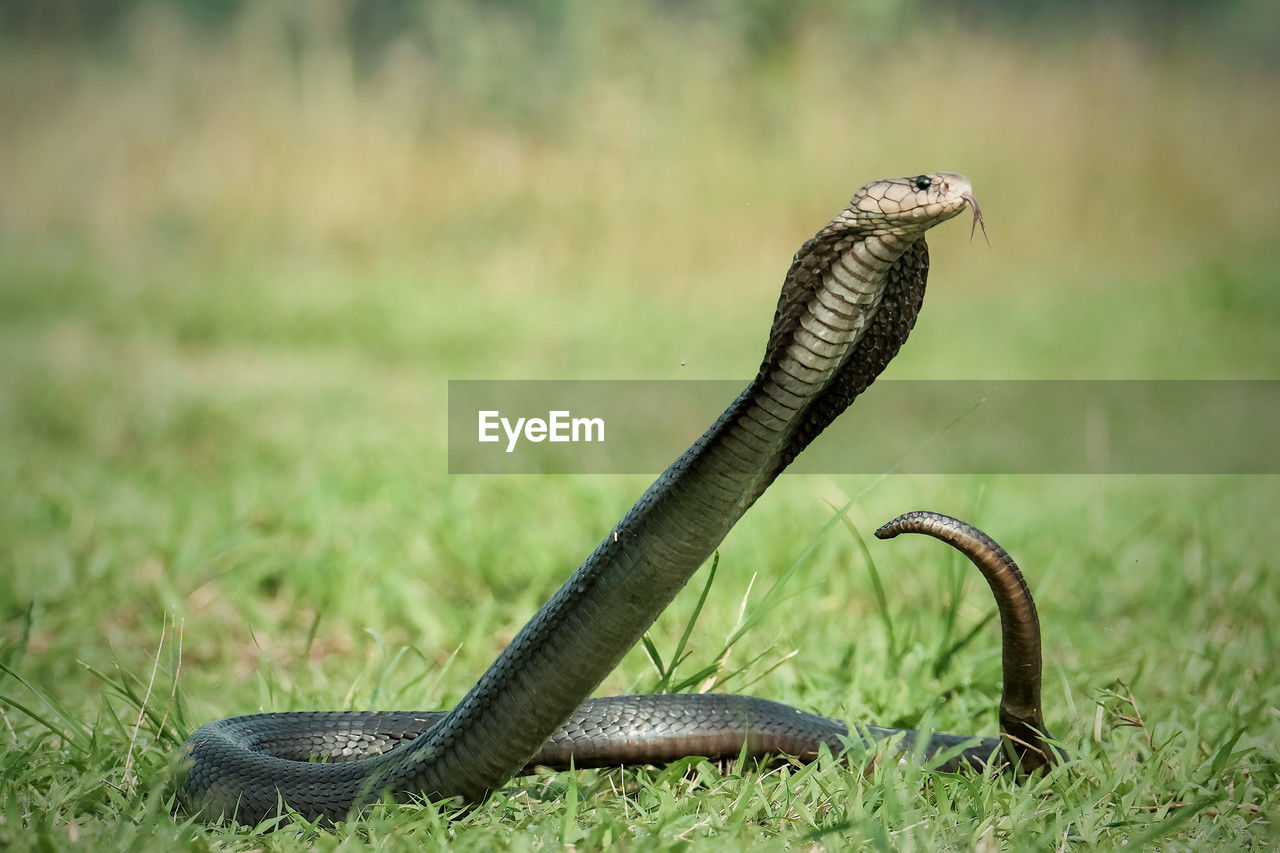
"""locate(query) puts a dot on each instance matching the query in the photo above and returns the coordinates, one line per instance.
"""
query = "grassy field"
(236, 272)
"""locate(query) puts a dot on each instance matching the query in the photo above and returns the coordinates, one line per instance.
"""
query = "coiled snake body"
(849, 300)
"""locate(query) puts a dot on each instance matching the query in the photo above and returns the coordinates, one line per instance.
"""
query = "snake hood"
(851, 297)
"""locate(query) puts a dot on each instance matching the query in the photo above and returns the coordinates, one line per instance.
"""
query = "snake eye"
(922, 182)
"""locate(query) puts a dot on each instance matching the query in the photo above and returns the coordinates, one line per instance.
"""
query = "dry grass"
(236, 144)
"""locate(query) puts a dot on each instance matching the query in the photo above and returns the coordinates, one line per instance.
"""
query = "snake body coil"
(849, 300)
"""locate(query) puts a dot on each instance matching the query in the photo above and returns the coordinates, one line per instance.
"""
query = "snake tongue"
(977, 217)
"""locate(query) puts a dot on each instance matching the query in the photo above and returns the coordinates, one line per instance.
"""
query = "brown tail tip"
(1021, 718)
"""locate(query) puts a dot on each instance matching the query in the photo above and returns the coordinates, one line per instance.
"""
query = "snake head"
(907, 207)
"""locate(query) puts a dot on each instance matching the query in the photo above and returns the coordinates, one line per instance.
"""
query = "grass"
(233, 285)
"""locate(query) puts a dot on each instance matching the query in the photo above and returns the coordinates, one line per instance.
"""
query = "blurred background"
(243, 247)
(312, 175)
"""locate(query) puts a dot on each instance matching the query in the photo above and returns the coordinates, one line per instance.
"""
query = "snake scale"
(848, 302)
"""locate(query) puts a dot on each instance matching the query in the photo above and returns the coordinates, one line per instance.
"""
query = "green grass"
(233, 286)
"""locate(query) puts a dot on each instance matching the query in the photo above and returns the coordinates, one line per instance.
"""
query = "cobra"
(849, 300)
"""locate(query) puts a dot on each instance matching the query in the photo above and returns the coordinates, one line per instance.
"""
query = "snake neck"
(847, 305)
(882, 278)
(798, 390)
(835, 292)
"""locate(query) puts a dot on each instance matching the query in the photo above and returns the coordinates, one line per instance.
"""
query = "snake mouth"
(977, 217)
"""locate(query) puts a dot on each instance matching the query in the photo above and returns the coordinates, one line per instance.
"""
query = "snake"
(849, 300)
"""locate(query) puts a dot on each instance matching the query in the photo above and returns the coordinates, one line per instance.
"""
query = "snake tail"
(1021, 718)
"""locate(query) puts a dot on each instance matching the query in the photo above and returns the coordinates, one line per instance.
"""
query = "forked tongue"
(977, 217)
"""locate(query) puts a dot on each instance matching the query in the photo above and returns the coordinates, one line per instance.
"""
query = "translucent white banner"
(905, 426)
